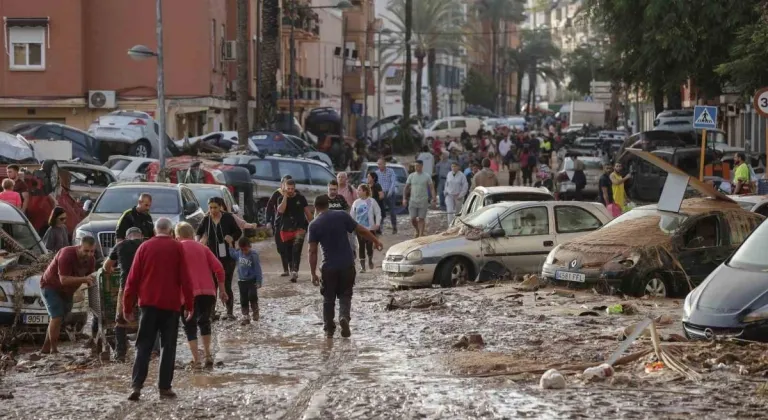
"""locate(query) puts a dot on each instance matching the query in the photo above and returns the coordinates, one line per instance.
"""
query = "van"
(452, 127)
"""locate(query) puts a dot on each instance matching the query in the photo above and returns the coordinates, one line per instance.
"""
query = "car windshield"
(118, 200)
(484, 217)
(751, 254)
(22, 233)
(517, 196)
(668, 222)
(203, 194)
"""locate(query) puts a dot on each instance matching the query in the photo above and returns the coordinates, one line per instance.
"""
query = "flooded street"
(406, 363)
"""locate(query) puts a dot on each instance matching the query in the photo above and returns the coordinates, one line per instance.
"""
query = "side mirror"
(235, 209)
(498, 233)
(190, 208)
(88, 206)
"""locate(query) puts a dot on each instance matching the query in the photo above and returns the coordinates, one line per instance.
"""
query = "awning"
(26, 22)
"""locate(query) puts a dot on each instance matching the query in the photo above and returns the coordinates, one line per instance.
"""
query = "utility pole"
(160, 91)
(243, 91)
(292, 77)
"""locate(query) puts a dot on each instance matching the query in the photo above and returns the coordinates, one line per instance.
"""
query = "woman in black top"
(217, 228)
(377, 193)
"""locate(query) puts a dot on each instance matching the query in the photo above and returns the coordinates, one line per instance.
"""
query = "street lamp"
(341, 5)
(142, 52)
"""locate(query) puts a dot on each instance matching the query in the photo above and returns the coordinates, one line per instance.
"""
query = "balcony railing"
(304, 19)
(305, 89)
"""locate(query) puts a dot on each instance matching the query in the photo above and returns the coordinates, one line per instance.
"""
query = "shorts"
(417, 212)
(58, 305)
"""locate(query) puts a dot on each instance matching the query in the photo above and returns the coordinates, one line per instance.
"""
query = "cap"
(133, 230)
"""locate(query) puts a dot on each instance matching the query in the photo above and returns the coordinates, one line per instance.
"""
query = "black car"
(85, 147)
(733, 300)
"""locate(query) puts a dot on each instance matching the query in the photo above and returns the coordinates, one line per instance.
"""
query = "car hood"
(100, 222)
(731, 290)
(455, 236)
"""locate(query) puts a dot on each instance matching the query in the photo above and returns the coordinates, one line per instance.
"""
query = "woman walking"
(201, 263)
(217, 228)
(56, 237)
(367, 213)
(377, 193)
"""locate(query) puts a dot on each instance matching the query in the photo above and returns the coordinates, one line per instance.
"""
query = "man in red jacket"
(159, 278)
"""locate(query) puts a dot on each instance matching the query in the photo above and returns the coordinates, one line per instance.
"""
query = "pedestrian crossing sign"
(705, 117)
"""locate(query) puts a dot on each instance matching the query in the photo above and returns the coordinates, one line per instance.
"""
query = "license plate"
(391, 267)
(35, 319)
(568, 276)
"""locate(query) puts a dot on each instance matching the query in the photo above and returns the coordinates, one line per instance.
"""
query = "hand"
(188, 315)
(223, 296)
(405, 202)
(315, 279)
(375, 228)
(378, 245)
(228, 239)
(128, 316)
(90, 279)
(282, 191)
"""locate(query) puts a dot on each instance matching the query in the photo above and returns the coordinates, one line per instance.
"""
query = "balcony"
(307, 93)
(306, 22)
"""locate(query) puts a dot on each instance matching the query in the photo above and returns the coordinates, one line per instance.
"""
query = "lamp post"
(341, 5)
(142, 52)
(387, 32)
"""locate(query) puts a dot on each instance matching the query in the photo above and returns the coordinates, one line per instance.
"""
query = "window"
(571, 219)
(27, 48)
(263, 170)
(527, 222)
(116, 200)
(704, 234)
(213, 44)
(441, 126)
(142, 168)
(319, 175)
(468, 204)
(762, 210)
(117, 164)
(80, 146)
(459, 124)
(187, 196)
(294, 169)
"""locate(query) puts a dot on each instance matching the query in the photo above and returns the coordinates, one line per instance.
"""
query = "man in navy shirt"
(338, 271)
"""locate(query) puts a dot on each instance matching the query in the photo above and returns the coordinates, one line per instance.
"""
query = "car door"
(573, 221)
(457, 127)
(528, 239)
(264, 177)
(704, 246)
(195, 218)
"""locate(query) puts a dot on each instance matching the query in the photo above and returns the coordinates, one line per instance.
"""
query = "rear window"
(131, 114)
(505, 197)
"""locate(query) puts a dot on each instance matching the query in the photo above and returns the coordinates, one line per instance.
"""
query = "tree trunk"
(494, 47)
(674, 98)
(408, 63)
(519, 98)
(270, 61)
(419, 78)
(531, 88)
(242, 72)
(658, 100)
(432, 81)
(614, 114)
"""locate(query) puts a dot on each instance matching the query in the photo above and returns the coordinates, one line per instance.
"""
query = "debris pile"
(471, 341)
(431, 302)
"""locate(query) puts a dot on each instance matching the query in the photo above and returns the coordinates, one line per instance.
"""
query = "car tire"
(140, 149)
(453, 272)
(51, 171)
(654, 285)
(261, 212)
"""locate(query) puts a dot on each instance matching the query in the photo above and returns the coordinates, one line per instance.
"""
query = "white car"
(516, 236)
(134, 133)
(129, 168)
(452, 127)
(754, 203)
(33, 317)
(222, 139)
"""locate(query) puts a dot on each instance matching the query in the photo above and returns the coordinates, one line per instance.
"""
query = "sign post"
(760, 103)
(704, 118)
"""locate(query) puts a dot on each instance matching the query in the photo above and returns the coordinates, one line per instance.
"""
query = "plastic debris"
(552, 379)
(614, 309)
(603, 371)
(654, 367)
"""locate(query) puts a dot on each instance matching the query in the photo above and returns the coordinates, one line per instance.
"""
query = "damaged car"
(23, 259)
(648, 251)
(733, 300)
(512, 237)
(485, 196)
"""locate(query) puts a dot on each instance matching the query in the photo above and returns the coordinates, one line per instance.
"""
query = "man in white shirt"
(505, 145)
(456, 187)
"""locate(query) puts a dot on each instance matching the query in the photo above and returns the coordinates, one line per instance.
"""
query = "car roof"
(508, 189)
(754, 199)
(586, 158)
(9, 213)
(135, 158)
(145, 185)
(66, 164)
(278, 157)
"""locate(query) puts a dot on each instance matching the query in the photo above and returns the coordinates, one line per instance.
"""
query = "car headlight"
(551, 256)
(758, 315)
(413, 256)
(3, 297)
(80, 234)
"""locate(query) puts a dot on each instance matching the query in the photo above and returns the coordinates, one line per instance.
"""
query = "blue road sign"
(356, 108)
(705, 117)
(588, 98)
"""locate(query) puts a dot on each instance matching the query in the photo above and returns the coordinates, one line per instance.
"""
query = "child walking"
(249, 276)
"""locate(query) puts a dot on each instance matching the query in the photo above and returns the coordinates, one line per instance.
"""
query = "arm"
(313, 259)
(308, 214)
(109, 266)
(376, 214)
(272, 207)
(25, 201)
(432, 188)
(393, 178)
(202, 234)
(464, 186)
(66, 264)
(123, 224)
(367, 234)
(257, 266)
(234, 228)
(605, 195)
(186, 282)
(282, 206)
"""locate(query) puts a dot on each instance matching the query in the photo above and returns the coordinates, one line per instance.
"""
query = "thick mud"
(402, 364)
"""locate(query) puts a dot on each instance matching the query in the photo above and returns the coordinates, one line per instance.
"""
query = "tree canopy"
(479, 89)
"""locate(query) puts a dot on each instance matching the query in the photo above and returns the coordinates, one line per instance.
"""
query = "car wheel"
(261, 213)
(141, 149)
(654, 286)
(453, 272)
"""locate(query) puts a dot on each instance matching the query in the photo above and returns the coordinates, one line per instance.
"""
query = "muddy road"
(403, 364)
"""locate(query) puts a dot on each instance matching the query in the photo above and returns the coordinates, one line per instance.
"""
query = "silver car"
(485, 196)
(516, 235)
(593, 170)
(134, 133)
(86, 181)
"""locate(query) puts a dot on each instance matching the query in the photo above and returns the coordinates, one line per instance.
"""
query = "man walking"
(71, 267)
(417, 189)
(338, 270)
(455, 190)
(388, 182)
(19, 185)
(346, 190)
(336, 201)
(443, 168)
(294, 210)
(122, 255)
(159, 278)
(138, 216)
(486, 177)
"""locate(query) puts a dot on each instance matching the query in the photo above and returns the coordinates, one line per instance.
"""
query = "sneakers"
(294, 277)
(362, 266)
(134, 395)
(255, 315)
(344, 323)
(167, 393)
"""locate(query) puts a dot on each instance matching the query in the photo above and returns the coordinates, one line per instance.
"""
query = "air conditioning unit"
(102, 99)
(229, 51)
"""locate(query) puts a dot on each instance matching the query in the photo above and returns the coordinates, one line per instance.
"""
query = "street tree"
(584, 64)
(536, 56)
(479, 89)
(746, 68)
(269, 61)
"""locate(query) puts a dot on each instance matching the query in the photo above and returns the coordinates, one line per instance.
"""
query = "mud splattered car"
(515, 236)
(652, 252)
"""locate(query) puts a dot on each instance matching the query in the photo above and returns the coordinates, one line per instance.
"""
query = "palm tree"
(269, 60)
(408, 23)
(537, 56)
(242, 72)
(434, 30)
(495, 12)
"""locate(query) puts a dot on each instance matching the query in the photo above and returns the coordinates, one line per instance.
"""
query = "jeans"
(152, 322)
(452, 205)
(527, 176)
(229, 271)
(389, 200)
(201, 319)
(281, 250)
(249, 294)
(336, 284)
(363, 245)
(441, 191)
(512, 178)
(292, 249)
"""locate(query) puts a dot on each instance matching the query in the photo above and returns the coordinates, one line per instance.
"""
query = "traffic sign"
(588, 98)
(760, 102)
(705, 117)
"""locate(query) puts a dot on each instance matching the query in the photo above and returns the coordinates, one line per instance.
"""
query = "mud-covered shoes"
(344, 323)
